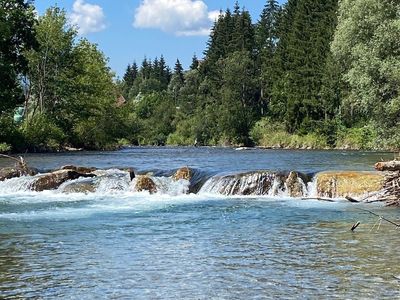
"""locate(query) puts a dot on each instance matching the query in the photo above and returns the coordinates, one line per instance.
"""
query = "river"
(126, 245)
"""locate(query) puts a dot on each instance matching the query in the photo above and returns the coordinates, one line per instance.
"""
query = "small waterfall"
(255, 183)
(18, 184)
(106, 181)
(252, 183)
(169, 186)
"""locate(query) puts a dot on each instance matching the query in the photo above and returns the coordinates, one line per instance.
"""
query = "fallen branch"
(355, 226)
(318, 198)
(21, 163)
(381, 217)
(351, 199)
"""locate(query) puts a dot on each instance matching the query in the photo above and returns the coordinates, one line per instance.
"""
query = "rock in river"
(51, 181)
(183, 173)
(348, 183)
(8, 173)
(145, 183)
(294, 185)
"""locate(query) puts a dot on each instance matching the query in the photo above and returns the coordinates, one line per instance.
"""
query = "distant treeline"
(308, 74)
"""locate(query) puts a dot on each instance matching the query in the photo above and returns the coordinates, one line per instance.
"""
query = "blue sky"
(129, 30)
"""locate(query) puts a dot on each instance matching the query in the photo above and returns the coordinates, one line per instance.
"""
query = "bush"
(267, 133)
(5, 147)
(10, 135)
(356, 138)
(42, 134)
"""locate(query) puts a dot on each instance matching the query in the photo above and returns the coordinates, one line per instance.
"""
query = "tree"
(195, 63)
(178, 71)
(50, 61)
(366, 44)
(237, 108)
(17, 21)
(303, 55)
(266, 36)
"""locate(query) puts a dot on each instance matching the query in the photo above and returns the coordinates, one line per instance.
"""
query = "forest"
(310, 74)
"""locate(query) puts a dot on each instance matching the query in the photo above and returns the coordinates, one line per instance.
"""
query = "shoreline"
(234, 147)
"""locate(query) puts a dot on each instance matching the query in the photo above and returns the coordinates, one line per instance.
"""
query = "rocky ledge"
(356, 186)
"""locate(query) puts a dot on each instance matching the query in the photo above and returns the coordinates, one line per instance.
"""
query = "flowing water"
(119, 244)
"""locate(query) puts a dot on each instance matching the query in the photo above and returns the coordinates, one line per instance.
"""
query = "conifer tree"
(195, 62)
(178, 71)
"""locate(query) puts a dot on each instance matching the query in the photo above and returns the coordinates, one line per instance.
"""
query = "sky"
(129, 30)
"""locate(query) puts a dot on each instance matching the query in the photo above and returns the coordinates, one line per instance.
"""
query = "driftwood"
(318, 198)
(355, 226)
(381, 217)
(393, 165)
(21, 163)
(352, 200)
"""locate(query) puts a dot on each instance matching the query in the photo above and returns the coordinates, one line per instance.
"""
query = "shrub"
(42, 134)
(4, 147)
(271, 134)
(364, 137)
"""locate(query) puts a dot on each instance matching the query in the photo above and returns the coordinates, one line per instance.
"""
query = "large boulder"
(145, 183)
(183, 173)
(294, 186)
(8, 173)
(349, 183)
(52, 181)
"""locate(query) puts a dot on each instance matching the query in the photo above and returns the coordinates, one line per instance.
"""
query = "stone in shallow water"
(145, 183)
(348, 183)
(51, 181)
(183, 173)
(87, 186)
(294, 186)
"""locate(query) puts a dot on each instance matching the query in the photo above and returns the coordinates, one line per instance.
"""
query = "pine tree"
(266, 38)
(266, 28)
(195, 62)
(178, 70)
(303, 53)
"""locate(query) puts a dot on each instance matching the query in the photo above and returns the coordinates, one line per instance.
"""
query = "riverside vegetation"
(308, 74)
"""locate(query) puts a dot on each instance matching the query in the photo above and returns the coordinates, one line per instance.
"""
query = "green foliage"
(10, 133)
(270, 134)
(366, 44)
(42, 134)
(5, 148)
(364, 137)
(289, 80)
(17, 36)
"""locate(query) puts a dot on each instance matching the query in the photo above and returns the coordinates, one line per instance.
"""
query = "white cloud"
(88, 17)
(180, 17)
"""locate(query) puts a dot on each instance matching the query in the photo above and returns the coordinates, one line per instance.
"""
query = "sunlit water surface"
(138, 246)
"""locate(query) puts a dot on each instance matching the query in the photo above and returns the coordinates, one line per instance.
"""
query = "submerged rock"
(145, 183)
(348, 183)
(84, 170)
(183, 173)
(51, 181)
(87, 186)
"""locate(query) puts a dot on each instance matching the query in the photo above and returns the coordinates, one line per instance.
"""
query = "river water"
(127, 245)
